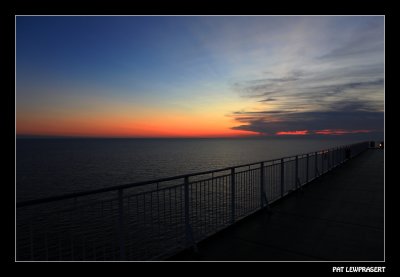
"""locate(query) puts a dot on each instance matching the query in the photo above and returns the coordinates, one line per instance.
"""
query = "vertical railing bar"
(242, 185)
(329, 160)
(245, 194)
(209, 202)
(247, 180)
(31, 238)
(250, 186)
(72, 241)
(121, 235)
(224, 195)
(170, 207)
(103, 222)
(297, 172)
(150, 233)
(271, 181)
(128, 236)
(252, 189)
(198, 206)
(239, 189)
(204, 206)
(58, 237)
(82, 233)
(221, 202)
(165, 209)
(232, 195)
(282, 177)
(248, 193)
(131, 250)
(226, 183)
(188, 228)
(201, 212)
(46, 246)
(336, 157)
(276, 184)
(158, 217)
(192, 202)
(212, 205)
(216, 202)
(176, 213)
(115, 234)
(238, 193)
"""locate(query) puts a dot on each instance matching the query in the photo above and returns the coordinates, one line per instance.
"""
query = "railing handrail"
(137, 184)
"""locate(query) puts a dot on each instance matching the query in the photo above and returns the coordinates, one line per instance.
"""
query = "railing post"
(297, 182)
(343, 151)
(188, 227)
(337, 156)
(262, 185)
(307, 169)
(329, 160)
(282, 177)
(232, 195)
(316, 165)
(121, 233)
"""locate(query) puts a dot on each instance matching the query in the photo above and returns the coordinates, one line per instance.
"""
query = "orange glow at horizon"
(122, 126)
(340, 132)
(299, 132)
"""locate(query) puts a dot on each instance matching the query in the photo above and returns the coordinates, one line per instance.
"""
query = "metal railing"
(155, 219)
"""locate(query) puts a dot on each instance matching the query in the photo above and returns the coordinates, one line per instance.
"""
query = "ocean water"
(48, 167)
(157, 220)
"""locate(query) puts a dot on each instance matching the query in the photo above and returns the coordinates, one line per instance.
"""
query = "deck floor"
(337, 217)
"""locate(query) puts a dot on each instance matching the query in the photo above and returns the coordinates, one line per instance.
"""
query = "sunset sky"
(199, 76)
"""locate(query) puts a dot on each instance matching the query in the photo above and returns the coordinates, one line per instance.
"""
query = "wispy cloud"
(340, 91)
(265, 123)
(269, 99)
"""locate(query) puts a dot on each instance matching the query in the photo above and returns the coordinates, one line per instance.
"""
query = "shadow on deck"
(338, 217)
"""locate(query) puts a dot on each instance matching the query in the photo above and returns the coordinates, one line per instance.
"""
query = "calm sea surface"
(48, 167)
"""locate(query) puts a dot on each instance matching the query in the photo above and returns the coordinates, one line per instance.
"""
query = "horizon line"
(337, 136)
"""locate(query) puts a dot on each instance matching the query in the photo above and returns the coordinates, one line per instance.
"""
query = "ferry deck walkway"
(337, 217)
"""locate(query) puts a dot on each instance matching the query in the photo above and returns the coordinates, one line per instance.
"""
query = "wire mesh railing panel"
(158, 218)
(210, 205)
(289, 176)
(302, 170)
(273, 181)
(247, 194)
